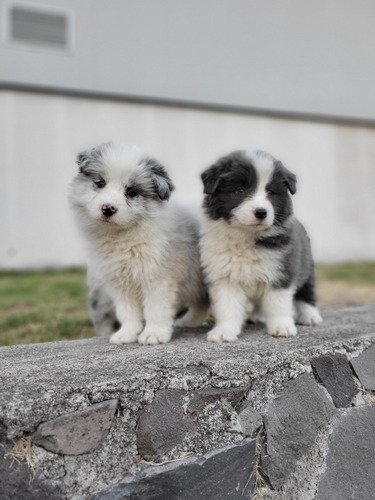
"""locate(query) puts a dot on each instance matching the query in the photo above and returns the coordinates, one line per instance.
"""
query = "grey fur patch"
(162, 184)
(101, 307)
(89, 161)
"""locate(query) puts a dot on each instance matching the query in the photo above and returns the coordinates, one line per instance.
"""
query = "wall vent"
(38, 27)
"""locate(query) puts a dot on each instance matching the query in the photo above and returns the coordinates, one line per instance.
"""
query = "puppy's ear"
(82, 160)
(162, 182)
(90, 156)
(289, 178)
(211, 178)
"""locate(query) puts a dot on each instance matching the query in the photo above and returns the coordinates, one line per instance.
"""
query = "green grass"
(43, 306)
(350, 273)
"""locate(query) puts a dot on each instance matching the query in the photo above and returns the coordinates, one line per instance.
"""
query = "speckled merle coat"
(142, 251)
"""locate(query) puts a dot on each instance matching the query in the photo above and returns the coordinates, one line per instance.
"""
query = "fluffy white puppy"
(143, 252)
(253, 248)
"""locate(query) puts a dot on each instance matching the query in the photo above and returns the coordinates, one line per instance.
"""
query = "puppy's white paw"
(153, 336)
(219, 335)
(127, 334)
(282, 326)
(308, 315)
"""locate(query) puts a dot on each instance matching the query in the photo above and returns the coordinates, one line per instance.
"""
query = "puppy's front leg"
(129, 313)
(277, 306)
(159, 308)
(229, 308)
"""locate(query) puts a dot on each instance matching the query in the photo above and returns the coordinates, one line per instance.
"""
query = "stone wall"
(285, 419)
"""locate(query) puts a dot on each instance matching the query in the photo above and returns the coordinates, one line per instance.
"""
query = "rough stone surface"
(221, 474)
(337, 377)
(364, 367)
(40, 383)
(292, 423)
(18, 482)
(163, 425)
(199, 399)
(76, 433)
(249, 421)
(350, 465)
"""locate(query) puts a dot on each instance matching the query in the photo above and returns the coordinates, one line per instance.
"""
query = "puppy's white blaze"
(245, 212)
(262, 161)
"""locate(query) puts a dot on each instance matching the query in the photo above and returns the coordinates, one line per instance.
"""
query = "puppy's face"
(119, 185)
(249, 188)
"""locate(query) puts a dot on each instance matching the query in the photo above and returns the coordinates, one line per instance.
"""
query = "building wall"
(291, 56)
(40, 136)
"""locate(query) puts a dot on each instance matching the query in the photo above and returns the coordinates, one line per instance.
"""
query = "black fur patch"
(306, 292)
(278, 189)
(226, 185)
(274, 242)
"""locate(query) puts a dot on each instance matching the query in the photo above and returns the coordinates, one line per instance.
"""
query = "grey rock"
(350, 465)
(221, 474)
(364, 367)
(292, 423)
(249, 421)
(17, 481)
(163, 425)
(337, 377)
(199, 399)
(76, 433)
(172, 414)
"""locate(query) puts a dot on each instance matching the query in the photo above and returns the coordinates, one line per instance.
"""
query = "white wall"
(40, 136)
(290, 55)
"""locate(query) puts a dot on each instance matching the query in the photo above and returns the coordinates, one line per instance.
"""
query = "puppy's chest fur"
(232, 254)
(128, 262)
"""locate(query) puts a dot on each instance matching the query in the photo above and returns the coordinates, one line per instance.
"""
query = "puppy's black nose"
(260, 213)
(108, 210)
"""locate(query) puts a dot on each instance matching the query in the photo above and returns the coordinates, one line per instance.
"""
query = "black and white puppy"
(252, 247)
(143, 252)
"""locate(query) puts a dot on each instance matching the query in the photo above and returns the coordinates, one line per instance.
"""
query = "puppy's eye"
(100, 183)
(240, 190)
(131, 192)
(270, 192)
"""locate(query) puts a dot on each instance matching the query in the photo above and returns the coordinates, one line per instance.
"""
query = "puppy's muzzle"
(260, 213)
(108, 210)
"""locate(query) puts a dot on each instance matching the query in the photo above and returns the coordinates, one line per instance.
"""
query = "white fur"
(307, 314)
(145, 254)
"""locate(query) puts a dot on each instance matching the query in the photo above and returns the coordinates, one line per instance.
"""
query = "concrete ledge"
(183, 401)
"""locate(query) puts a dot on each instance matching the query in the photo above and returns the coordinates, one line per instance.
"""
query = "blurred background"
(187, 81)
